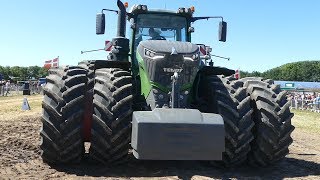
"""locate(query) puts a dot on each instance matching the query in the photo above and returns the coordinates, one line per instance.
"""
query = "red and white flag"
(108, 46)
(55, 62)
(51, 63)
(47, 64)
(237, 74)
(202, 50)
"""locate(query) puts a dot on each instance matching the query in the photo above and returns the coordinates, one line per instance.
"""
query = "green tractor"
(156, 99)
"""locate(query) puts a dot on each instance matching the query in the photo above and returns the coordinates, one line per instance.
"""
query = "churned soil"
(20, 156)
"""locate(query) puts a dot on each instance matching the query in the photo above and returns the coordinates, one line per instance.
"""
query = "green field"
(306, 121)
(11, 106)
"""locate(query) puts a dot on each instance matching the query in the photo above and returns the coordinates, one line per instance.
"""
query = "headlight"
(144, 7)
(149, 53)
(195, 56)
(152, 54)
(192, 56)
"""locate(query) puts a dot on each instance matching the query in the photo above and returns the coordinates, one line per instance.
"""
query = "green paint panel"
(145, 82)
(160, 87)
(186, 87)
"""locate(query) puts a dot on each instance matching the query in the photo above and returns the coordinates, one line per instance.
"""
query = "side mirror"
(223, 31)
(100, 23)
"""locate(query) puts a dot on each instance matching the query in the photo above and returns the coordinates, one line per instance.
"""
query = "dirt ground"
(20, 156)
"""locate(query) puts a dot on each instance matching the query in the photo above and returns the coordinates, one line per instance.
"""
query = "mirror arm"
(82, 52)
(116, 11)
(205, 57)
(206, 17)
(111, 10)
(227, 58)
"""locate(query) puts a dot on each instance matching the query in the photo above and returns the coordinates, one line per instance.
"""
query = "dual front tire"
(64, 106)
(256, 115)
(112, 112)
(272, 118)
(61, 132)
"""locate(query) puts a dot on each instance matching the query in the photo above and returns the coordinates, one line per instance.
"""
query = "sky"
(261, 34)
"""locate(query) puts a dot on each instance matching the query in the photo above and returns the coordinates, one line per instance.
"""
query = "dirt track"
(19, 158)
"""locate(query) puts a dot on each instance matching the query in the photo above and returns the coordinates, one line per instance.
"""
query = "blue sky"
(261, 34)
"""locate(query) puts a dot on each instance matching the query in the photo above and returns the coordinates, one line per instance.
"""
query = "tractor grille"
(161, 70)
(162, 65)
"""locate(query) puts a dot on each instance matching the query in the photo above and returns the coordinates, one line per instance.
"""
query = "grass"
(11, 106)
(14, 95)
(306, 120)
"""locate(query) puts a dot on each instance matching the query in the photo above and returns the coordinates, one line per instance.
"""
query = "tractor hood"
(158, 61)
(162, 46)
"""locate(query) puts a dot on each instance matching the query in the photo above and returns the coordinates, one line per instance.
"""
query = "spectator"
(317, 102)
(7, 88)
(297, 100)
(3, 87)
(38, 87)
(34, 86)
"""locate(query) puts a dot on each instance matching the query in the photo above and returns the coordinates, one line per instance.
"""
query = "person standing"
(7, 87)
(1, 91)
(38, 87)
(3, 87)
(317, 102)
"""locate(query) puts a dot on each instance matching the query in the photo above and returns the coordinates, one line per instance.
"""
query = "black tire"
(111, 125)
(63, 107)
(87, 118)
(90, 67)
(217, 94)
(272, 119)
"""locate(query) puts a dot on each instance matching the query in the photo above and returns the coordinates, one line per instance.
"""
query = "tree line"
(18, 73)
(298, 71)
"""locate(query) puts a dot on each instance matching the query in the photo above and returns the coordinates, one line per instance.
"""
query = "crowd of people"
(5, 88)
(305, 101)
(8, 88)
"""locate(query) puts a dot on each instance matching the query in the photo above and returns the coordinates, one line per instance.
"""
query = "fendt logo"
(172, 70)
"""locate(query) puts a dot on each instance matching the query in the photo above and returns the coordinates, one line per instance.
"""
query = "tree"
(23, 73)
(297, 71)
(42, 72)
(33, 72)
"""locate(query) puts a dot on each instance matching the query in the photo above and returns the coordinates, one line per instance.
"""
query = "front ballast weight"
(177, 134)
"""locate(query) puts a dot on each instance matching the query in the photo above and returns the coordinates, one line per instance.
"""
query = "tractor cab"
(159, 26)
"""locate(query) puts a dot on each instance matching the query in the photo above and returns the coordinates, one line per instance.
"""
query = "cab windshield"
(160, 27)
